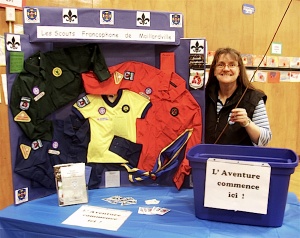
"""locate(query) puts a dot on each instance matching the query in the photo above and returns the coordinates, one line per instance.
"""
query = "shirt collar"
(32, 64)
(176, 87)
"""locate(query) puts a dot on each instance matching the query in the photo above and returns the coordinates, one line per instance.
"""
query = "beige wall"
(222, 24)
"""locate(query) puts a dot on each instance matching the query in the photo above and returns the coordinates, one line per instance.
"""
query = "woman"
(235, 110)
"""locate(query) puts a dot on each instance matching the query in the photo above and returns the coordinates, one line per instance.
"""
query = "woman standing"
(235, 110)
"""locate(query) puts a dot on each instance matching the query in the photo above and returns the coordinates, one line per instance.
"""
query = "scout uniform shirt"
(109, 119)
(35, 158)
(174, 109)
(49, 81)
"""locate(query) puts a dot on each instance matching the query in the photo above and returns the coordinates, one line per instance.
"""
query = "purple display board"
(44, 24)
(114, 50)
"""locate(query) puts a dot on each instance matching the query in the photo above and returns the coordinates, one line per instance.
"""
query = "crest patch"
(118, 77)
(25, 103)
(125, 108)
(22, 116)
(57, 72)
(25, 149)
(36, 144)
(82, 102)
(174, 111)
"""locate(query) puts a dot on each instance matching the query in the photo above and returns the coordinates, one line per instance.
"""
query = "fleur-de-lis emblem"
(197, 47)
(69, 17)
(13, 44)
(143, 20)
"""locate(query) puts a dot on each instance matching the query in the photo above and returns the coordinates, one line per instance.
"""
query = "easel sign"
(237, 185)
(18, 4)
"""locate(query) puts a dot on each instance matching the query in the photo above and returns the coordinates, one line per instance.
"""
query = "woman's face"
(227, 69)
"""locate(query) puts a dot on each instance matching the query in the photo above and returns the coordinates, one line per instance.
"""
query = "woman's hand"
(240, 115)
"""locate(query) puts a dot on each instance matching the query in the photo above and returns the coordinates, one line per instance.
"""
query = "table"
(42, 218)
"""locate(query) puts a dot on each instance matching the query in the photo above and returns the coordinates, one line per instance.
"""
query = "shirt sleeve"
(260, 118)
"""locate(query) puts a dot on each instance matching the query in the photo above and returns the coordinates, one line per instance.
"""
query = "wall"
(223, 24)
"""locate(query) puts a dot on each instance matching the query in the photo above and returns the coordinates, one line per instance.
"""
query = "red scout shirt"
(173, 110)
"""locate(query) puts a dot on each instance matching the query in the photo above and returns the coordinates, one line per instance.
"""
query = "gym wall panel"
(222, 23)
(267, 18)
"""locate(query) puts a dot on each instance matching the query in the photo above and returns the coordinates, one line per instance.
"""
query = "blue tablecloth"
(43, 218)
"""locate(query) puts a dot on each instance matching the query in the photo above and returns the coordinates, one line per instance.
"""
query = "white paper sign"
(13, 3)
(98, 217)
(94, 33)
(112, 179)
(276, 48)
(237, 185)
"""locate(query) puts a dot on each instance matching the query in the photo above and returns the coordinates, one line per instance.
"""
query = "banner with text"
(237, 185)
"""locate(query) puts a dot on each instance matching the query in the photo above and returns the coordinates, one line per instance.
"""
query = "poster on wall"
(18, 4)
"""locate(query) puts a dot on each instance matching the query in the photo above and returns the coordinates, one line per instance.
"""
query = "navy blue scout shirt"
(35, 159)
(49, 81)
(32, 162)
(70, 140)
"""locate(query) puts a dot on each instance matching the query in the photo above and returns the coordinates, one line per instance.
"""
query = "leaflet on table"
(71, 183)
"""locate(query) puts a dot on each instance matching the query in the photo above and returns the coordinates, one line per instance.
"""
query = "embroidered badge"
(118, 77)
(174, 111)
(128, 75)
(53, 152)
(22, 117)
(36, 90)
(102, 110)
(196, 80)
(25, 149)
(144, 95)
(125, 108)
(55, 144)
(25, 103)
(35, 145)
(82, 102)
(148, 91)
(57, 72)
(38, 97)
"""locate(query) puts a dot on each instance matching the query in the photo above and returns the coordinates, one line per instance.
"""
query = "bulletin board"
(122, 35)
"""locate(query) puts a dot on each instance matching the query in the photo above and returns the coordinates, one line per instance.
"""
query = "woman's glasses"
(223, 65)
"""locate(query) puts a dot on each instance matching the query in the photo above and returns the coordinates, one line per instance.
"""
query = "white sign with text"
(98, 217)
(237, 185)
(93, 33)
(12, 3)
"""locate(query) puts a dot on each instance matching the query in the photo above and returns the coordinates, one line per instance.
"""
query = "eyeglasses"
(230, 65)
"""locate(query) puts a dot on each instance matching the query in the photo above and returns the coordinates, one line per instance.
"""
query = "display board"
(108, 30)
(105, 25)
